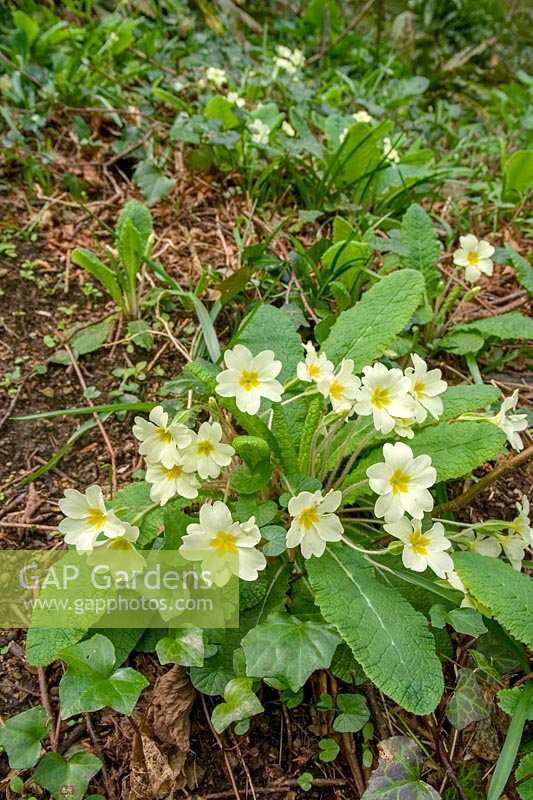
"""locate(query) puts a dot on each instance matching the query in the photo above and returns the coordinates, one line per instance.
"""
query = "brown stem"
(483, 483)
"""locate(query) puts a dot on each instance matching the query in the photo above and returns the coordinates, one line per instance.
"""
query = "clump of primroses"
(390, 402)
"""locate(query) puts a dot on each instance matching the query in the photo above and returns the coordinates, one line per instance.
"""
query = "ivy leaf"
(507, 593)
(153, 184)
(354, 713)
(390, 640)
(467, 704)
(466, 620)
(66, 777)
(90, 682)
(239, 703)
(398, 772)
(364, 331)
(421, 246)
(328, 750)
(185, 647)
(286, 647)
(44, 645)
(20, 736)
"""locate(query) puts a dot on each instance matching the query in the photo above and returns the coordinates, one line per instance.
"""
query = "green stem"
(507, 757)
(75, 412)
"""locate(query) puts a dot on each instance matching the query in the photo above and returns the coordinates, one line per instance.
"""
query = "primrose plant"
(318, 477)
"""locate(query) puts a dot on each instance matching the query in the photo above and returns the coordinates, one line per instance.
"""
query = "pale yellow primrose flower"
(234, 98)
(224, 547)
(340, 388)
(390, 152)
(521, 524)
(475, 256)
(402, 483)
(423, 549)
(207, 454)
(289, 60)
(167, 482)
(159, 440)
(287, 129)
(87, 518)
(260, 131)
(315, 367)
(362, 116)
(426, 385)
(314, 523)
(511, 424)
(216, 76)
(384, 393)
(248, 378)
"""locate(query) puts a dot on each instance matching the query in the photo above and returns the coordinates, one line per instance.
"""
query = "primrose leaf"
(507, 593)
(353, 714)
(285, 647)
(268, 328)
(421, 246)
(512, 326)
(525, 771)
(467, 703)
(239, 703)
(458, 400)
(366, 330)
(44, 645)
(524, 270)
(390, 640)
(20, 736)
(64, 777)
(398, 772)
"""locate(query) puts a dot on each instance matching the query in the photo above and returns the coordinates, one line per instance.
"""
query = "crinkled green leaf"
(364, 331)
(524, 777)
(44, 645)
(506, 592)
(20, 736)
(268, 328)
(390, 640)
(458, 400)
(239, 703)
(524, 270)
(467, 703)
(512, 326)
(421, 246)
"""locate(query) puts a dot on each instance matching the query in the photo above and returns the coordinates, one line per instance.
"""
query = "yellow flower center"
(224, 542)
(472, 258)
(173, 473)
(419, 543)
(380, 397)
(336, 390)
(96, 518)
(249, 380)
(309, 517)
(314, 371)
(419, 390)
(204, 447)
(399, 481)
(164, 436)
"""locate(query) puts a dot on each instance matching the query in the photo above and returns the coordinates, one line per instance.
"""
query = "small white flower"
(216, 76)
(402, 483)
(475, 256)
(511, 424)
(390, 153)
(168, 482)
(384, 393)
(207, 454)
(314, 522)
(362, 116)
(423, 549)
(404, 427)
(341, 388)
(224, 547)
(248, 378)
(159, 440)
(315, 367)
(514, 548)
(260, 131)
(289, 60)
(521, 523)
(426, 385)
(287, 129)
(234, 98)
(87, 518)
(484, 545)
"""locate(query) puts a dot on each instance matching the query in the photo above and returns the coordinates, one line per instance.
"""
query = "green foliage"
(524, 777)
(282, 432)
(91, 681)
(512, 325)
(421, 247)
(518, 175)
(268, 328)
(352, 714)
(44, 645)
(185, 646)
(239, 703)
(21, 737)
(288, 648)
(467, 703)
(398, 772)
(507, 593)
(364, 332)
(458, 400)
(328, 750)
(524, 270)
(390, 640)
(67, 776)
